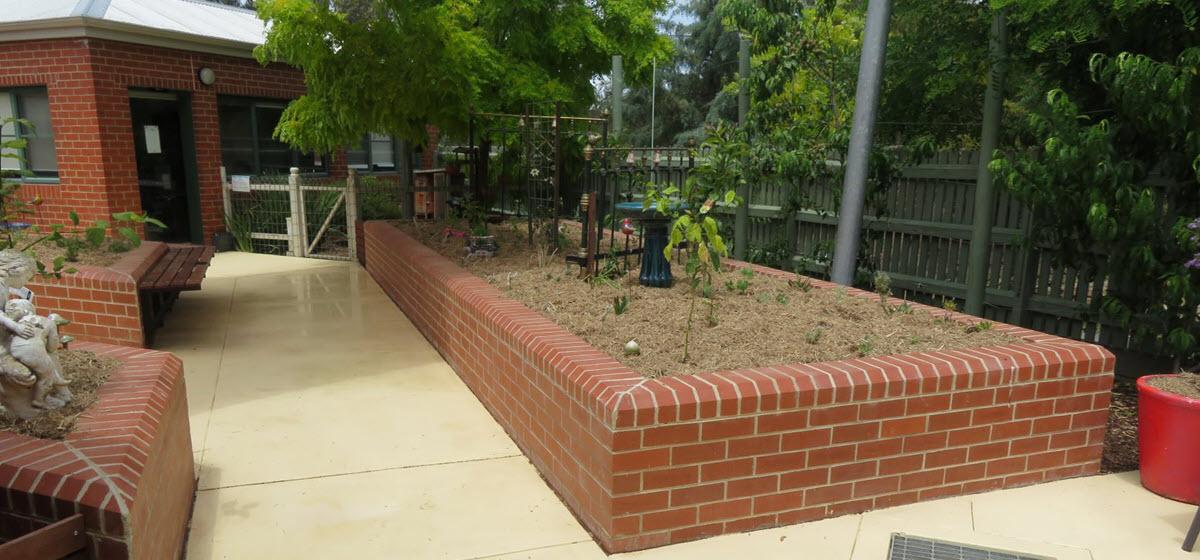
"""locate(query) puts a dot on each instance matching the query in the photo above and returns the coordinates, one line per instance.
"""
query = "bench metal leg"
(1193, 531)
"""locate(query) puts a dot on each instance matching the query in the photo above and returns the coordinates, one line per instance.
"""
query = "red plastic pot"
(1169, 442)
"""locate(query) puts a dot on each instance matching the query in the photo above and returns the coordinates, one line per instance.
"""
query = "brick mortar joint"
(458, 282)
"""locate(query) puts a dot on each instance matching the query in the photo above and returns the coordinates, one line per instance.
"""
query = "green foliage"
(394, 66)
(982, 326)
(715, 178)
(781, 298)
(865, 346)
(741, 286)
(620, 305)
(1106, 152)
(883, 287)
(692, 88)
(239, 224)
(814, 336)
(79, 237)
(801, 282)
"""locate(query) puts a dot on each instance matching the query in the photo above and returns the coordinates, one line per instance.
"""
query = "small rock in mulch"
(86, 373)
(1121, 441)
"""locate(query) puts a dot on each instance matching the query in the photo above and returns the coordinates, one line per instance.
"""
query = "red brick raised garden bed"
(648, 462)
(101, 302)
(127, 467)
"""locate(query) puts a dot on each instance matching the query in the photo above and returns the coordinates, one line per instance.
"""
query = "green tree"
(693, 85)
(394, 66)
(1106, 150)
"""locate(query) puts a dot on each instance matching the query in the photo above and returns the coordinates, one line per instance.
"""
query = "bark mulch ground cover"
(86, 373)
(750, 320)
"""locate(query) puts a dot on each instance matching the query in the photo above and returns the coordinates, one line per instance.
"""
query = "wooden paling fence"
(920, 235)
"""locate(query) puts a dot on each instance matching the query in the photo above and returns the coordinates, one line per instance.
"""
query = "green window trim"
(256, 144)
(23, 171)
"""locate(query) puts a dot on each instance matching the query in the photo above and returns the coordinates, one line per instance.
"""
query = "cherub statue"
(16, 268)
(39, 353)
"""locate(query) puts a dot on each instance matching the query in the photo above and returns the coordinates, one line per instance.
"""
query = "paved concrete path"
(325, 426)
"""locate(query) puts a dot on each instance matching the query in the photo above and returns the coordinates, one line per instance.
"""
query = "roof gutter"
(80, 26)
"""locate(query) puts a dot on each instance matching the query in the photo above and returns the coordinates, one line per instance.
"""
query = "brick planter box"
(648, 462)
(127, 467)
(101, 302)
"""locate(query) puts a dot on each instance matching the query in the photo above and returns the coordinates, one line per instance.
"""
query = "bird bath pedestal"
(656, 271)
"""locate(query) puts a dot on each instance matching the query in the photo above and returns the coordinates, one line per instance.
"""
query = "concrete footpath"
(324, 425)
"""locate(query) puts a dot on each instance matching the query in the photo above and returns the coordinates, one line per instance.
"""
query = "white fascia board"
(75, 27)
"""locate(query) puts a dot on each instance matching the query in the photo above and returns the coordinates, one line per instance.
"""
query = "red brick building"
(137, 104)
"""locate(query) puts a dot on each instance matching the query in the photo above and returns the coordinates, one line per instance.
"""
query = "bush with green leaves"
(716, 178)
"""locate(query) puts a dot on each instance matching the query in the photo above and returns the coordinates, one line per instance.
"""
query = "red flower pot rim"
(1143, 384)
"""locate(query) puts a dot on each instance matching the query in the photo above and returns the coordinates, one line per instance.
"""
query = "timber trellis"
(922, 241)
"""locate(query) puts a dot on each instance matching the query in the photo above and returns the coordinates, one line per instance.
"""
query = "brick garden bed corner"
(101, 302)
(127, 467)
(649, 462)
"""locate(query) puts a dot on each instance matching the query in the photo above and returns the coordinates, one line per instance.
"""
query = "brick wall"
(648, 462)
(127, 467)
(101, 303)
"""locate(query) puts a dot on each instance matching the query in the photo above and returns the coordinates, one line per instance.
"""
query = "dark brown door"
(162, 172)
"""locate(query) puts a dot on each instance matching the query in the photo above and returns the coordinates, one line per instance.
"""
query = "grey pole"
(618, 90)
(866, 105)
(985, 198)
(741, 235)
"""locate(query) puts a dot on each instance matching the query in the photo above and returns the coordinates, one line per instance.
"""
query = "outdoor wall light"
(207, 76)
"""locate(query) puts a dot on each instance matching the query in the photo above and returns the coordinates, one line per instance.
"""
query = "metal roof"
(191, 20)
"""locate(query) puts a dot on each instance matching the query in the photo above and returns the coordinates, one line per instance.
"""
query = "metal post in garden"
(866, 105)
(618, 90)
(554, 204)
(985, 197)
(741, 221)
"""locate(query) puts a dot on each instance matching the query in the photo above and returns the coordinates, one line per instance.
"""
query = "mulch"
(771, 321)
(86, 373)
(1120, 443)
(767, 325)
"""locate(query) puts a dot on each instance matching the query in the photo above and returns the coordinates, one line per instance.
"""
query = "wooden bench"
(181, 268)
(64, 539)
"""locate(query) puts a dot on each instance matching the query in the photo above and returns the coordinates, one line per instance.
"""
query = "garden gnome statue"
(31, 379)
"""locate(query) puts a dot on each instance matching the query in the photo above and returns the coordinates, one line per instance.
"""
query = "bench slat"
(181, 268)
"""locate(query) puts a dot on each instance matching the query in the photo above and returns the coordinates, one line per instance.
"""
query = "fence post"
(352, 217)
(227, 198)
(296, 231)
(406, 181)
(741, 220)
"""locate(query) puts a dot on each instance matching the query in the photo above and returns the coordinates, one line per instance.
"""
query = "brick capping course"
(127, 467)
(648, 462)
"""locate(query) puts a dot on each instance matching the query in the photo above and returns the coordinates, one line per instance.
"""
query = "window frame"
(253, 104)
(24, 173)
(371, 167)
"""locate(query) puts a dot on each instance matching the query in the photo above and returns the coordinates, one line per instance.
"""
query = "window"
(247, 143)
(377, 153)
(38, 156)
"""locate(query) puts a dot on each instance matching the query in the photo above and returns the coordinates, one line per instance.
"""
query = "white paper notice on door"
(239, 183)
(153, 144)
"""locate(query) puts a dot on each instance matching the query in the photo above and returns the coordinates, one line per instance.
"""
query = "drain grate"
(908, 547)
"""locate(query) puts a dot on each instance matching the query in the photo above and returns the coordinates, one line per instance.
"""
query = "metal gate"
(295, 215)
